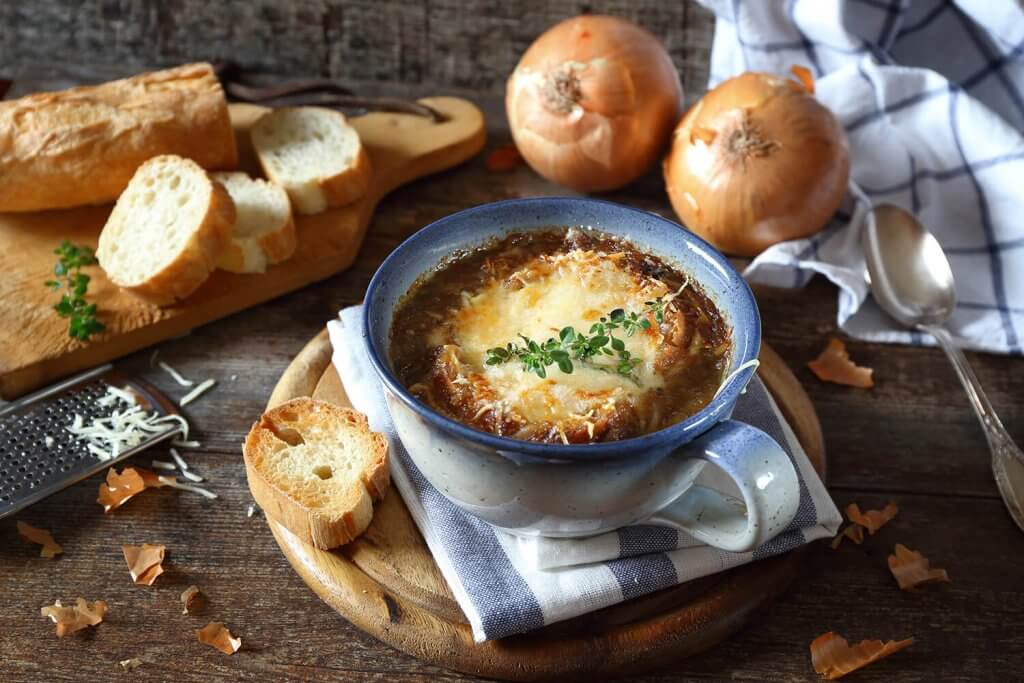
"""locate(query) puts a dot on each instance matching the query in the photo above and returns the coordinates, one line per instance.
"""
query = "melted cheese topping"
(553, 291)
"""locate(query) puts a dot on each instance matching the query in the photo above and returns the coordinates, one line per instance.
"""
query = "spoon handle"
(1007, 458)
(998, 438)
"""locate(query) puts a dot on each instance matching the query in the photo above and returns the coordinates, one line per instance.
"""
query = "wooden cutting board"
(387, 584)
(35, 348)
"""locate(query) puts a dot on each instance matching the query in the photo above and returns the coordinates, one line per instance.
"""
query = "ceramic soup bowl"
(558, 490)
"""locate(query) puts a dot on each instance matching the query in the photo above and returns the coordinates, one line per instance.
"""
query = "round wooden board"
(387, 583)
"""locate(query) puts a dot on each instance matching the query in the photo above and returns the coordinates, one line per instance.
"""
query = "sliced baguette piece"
(316, 469)
(167, 230)
(314, 154)
(264, 231)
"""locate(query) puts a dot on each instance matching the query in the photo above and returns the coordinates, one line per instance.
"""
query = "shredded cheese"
(197, 392)
(185, 444)
(114, 395)
(175, 375)
(191, 476)
(124, 429)
(251, 510)
(752, 363)
(175, 484)
(182, 465)
(162, 465)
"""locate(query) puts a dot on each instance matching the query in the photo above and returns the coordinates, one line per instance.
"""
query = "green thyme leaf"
(572, 345)
(72, 258)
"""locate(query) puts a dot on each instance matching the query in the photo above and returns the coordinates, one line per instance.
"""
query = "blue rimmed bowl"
(578, 490)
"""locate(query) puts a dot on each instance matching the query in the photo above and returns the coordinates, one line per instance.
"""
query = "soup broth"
(560, 336)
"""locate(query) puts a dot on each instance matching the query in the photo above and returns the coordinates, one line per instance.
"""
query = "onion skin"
(757, 161)
(592, 102)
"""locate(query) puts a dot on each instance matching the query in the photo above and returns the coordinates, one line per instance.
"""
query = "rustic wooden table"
(912, 439)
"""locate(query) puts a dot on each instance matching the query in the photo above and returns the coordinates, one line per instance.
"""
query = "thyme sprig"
(600, 341)
(72, 304)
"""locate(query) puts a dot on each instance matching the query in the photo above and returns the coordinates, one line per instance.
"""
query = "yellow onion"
(592, 102)
(758, 160)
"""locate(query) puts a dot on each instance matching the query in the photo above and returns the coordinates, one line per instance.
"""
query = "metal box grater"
(33, 467)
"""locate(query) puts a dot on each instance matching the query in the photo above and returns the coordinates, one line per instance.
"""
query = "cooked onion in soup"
(560, 336)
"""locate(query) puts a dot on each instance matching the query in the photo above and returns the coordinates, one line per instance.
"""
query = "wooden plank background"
(472, 44)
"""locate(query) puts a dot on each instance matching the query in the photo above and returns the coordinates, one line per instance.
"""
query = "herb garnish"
(572, 345)
(72, 304)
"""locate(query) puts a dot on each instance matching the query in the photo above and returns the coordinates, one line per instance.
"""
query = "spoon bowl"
(910, 275)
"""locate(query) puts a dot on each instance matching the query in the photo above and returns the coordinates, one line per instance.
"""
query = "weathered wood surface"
(912, 439)
(457, 43)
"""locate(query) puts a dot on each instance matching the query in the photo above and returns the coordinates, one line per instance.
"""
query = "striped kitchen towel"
(931, 93)
(507, 585)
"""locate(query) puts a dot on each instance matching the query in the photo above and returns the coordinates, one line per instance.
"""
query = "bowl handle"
(765, 476)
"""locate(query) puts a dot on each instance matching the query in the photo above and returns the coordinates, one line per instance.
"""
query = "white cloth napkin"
(931, 93)
(507, 585)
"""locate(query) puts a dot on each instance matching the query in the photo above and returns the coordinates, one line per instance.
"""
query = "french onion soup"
(560, 336)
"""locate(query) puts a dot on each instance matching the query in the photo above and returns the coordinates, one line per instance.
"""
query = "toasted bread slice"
(316, 469)
(314, 154)
(167, 230)
(264, 230)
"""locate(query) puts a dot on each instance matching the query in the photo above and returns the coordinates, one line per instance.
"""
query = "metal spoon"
(911, 280)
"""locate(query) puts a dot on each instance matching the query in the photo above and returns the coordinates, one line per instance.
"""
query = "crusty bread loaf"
(167, 230)
(81, 146)
(314, 154)
(316, 468)
(264, 231)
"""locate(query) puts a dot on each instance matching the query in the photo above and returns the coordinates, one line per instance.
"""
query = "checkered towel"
(507, 585)
(931, 93)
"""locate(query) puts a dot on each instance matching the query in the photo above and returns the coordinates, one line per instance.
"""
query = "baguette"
(314, 154)
(167, 230)
(82, 146)
(316, 469)
(264, 232)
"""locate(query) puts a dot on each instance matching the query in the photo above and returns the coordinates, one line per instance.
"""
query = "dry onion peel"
(71, 619)
(30, 534)
(592, 101)
(834, 365)
(215, 634)
(872, 520)
(191, 600)
(912, 569)
(757, 161)
(854, 532)
(120, 487)
(145, 562)
(833, 657)
(504, 158)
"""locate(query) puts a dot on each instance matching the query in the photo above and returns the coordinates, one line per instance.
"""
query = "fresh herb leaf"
(72, 304)
(584, 347)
